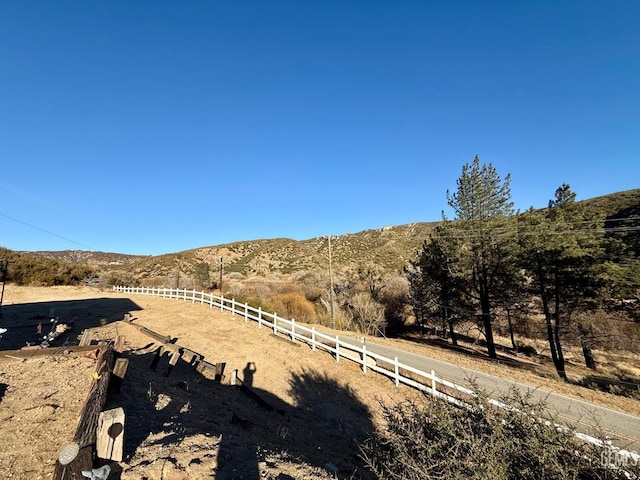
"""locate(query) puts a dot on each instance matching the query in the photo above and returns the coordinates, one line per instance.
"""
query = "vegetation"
(560, 263)
(30, 269)
(436, 439)
(568, 273)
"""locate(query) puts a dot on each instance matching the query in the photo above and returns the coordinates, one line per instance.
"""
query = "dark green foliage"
(437, 440)
(435, 292)
(202, 275)
(561, 251)
(483, 208)
(30, 269)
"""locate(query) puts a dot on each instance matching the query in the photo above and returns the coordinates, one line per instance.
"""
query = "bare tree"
(368, 314)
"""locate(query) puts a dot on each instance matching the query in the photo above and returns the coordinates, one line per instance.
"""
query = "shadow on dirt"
(22, 320)
(445, 343)
(178, 417)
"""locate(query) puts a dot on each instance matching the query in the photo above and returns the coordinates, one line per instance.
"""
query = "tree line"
(29, 269)
(563, 263)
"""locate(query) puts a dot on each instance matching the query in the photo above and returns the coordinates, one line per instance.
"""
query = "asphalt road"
(624, 429)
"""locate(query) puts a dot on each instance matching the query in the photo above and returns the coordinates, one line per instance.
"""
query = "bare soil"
(303, 415)
(304, 418)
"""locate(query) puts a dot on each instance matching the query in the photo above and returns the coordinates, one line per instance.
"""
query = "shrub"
(293, 305)
(439, 440)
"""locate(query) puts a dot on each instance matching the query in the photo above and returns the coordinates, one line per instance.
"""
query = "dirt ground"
(302, 417)
(305, 419)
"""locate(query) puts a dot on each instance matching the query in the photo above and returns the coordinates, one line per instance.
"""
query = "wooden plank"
(119, 371)
(156, 336)
(85, 339)
(110, 435)
(119, 345)
(156, 358)
(173, 359)
(219, 376)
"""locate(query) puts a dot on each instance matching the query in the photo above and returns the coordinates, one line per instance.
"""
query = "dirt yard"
(304, 420)
(311, 414)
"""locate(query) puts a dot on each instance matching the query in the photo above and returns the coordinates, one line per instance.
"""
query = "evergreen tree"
(561, 253)
(483, 207)
(432, 281)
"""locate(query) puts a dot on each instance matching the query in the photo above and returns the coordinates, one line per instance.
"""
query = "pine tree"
(483, 209)
(432, 282)
(561, 254)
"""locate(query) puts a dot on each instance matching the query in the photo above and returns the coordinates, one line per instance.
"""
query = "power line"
(46, 231)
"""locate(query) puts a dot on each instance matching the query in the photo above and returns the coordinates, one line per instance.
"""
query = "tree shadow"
(174, 424)
(21, 320)
(445, 344)
(629, 386)
(3, 389)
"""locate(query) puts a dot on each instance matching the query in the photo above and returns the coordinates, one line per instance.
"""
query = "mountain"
(389, 249)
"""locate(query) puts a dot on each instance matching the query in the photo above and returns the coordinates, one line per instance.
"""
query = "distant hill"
(99, 260)
(389, 248)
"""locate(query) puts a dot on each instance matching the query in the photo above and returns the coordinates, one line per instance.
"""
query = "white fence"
(399, 372)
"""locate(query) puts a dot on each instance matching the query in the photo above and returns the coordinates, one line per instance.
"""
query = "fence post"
(193, 296)
(433, 382)
(246, 312)
(364, 358)
(313, 338)
(275, 322)
(201, 297)
(337, 349)
(259, 317)
(221, 302)
(397, 372)
(293, 329)
(233, 307)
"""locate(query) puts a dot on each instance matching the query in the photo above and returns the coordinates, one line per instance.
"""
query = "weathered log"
(84, 461)
(86, 432)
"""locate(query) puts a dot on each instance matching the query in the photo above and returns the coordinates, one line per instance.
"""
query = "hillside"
(388, 248)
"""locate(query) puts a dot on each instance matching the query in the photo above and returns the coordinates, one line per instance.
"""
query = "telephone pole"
(220, 284)
(4, 266)
(333, 323)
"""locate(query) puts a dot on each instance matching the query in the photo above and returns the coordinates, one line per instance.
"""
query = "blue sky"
(151, 127)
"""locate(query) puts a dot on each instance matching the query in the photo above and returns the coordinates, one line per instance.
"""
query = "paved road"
(622, 427)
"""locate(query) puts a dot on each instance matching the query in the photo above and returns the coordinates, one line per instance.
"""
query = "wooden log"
(156, 336)
(86, 431)
(110, 435)
(84, 461)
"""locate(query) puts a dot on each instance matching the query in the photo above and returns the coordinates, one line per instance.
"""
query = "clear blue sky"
(150, 127)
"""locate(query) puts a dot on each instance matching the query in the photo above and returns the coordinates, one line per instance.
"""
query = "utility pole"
(220, 284)
(333, 323)
(4, 266)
